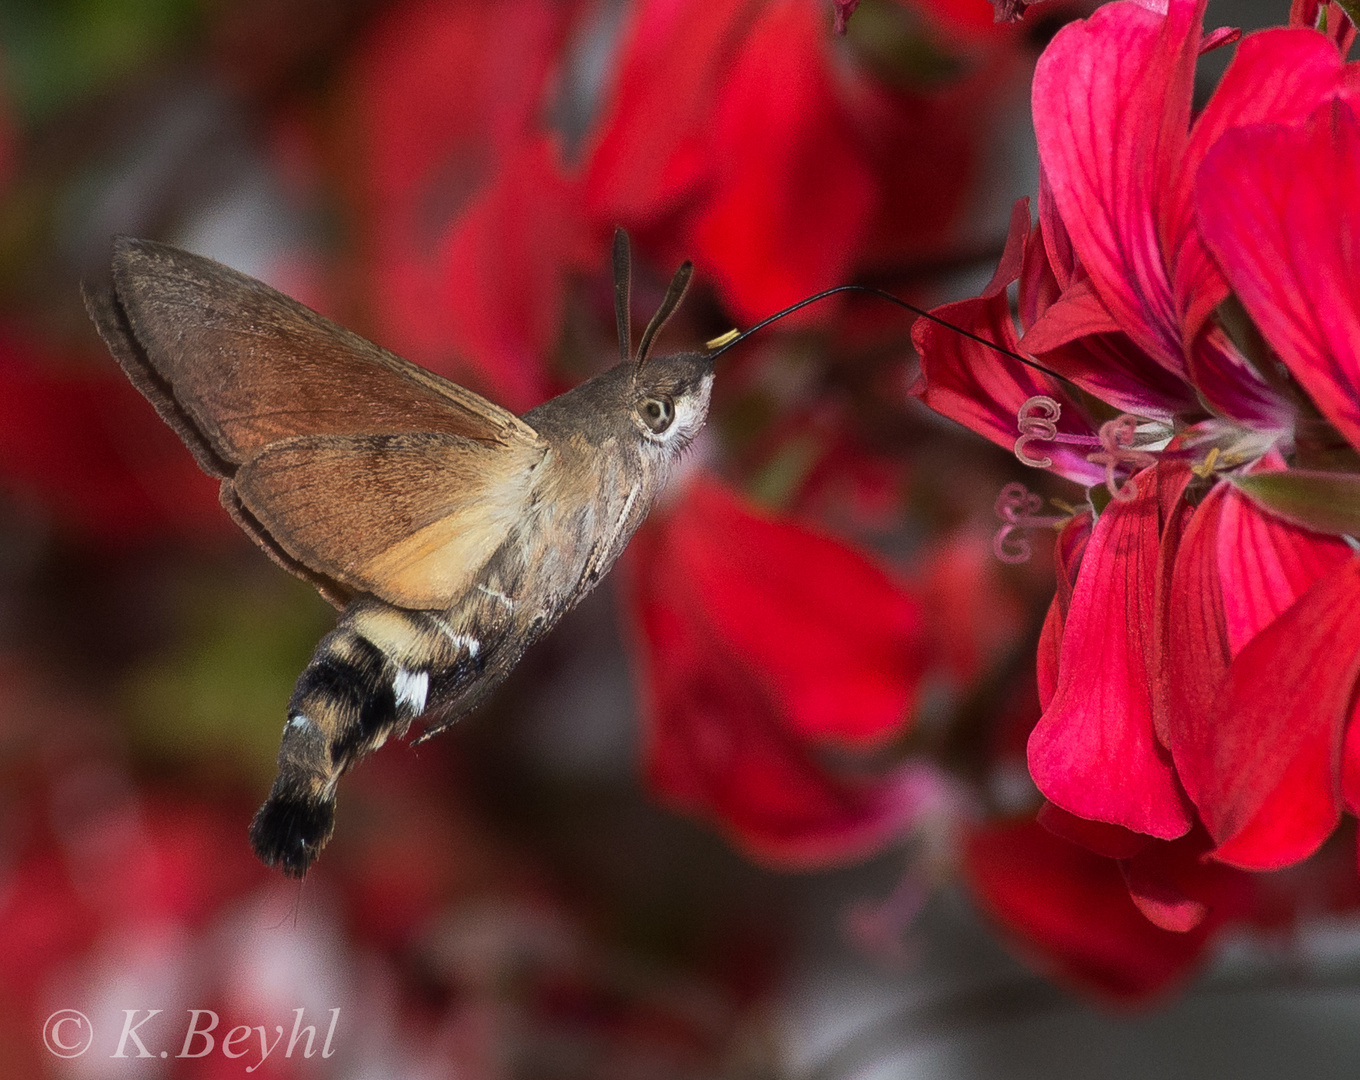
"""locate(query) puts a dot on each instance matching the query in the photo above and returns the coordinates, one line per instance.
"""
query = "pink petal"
(1216, 39)
(843, 10)
(1274, 787)
(1094, 752)
(1277, 211)
(1111, 103)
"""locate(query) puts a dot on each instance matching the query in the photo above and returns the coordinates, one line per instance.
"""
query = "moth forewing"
(411, 518)
(249, 366)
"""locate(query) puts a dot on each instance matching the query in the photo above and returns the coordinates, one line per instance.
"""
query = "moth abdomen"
(369, 678)
(350, 699)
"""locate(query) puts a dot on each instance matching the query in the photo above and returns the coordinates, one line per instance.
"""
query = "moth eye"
(657, 413)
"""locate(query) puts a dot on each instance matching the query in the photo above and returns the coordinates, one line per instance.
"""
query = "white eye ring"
(657, 414)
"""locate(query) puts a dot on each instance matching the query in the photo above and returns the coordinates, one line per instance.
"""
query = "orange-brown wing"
(409, 517)
(234, 365)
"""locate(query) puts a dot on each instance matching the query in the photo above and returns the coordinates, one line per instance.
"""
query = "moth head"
(670, 398)
(669, 393)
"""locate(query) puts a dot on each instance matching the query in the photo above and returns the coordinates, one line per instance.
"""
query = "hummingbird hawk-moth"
(449, 532)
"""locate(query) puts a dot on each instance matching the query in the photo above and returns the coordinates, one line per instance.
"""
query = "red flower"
(1204, 662)
(765, 647)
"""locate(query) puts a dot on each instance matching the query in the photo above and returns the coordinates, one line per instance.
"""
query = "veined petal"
(1230, 384)
(1057, 240)
(1237, 570)
(984, 390)
(1265, 564)
(1111, 104)
(1195, 655)
(1067, 553)
(1094, 752)
(1277, 75)
(1278, 210)
(1274, 792)
(1077, 337)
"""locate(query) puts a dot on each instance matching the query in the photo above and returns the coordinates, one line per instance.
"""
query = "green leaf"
(1327, 502)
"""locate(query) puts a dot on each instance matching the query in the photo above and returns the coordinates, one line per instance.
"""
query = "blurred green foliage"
(57, 51)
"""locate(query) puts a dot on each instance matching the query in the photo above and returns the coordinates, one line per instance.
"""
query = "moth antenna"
(728, 340)
(679, 285)
(623, 285)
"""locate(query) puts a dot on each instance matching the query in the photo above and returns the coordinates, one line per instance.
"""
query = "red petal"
(438, 94)
(728, 736)
(1196, 654)
(1111, 841)
(1074, 338)
(1161, 903)
(1265, 564)
(1094, 752)
(1310, 13)
(1067, 553)
(1272, 794)
(1072, 908)
(1276, 211)
(1111, 103)
(1276, 75)
(1175, 888)
(984, 389)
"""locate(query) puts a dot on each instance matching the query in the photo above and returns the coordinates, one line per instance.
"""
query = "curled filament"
(1116, 440)
(1018, 508)
(1037, 421)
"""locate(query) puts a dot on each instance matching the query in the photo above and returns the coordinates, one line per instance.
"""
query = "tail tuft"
(291, 828)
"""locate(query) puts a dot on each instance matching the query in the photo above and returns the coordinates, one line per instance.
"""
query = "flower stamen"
(1205, 468)
(1037, 422)
(1019, 508)
(1116, 438)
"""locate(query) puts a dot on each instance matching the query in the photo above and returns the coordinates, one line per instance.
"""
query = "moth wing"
(234, 365)
(409, 517)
